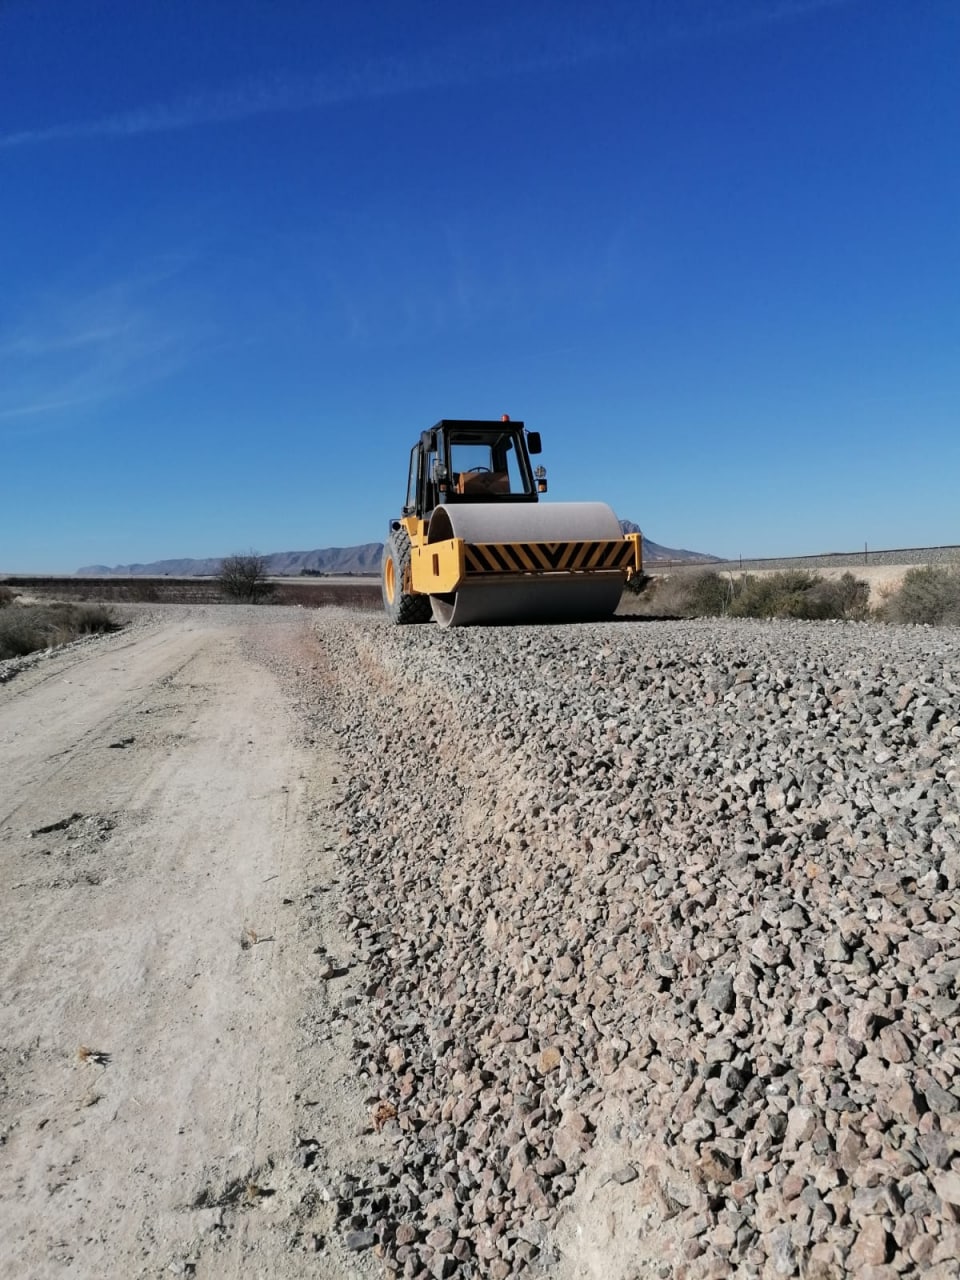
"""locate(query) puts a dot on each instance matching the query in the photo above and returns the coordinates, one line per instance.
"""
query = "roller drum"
(549, 597)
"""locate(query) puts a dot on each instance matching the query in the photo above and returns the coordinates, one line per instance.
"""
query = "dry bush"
(92, 619)
(712, 594)
(680, 595)
(793, 593)
(798, 593)
(640, 601)
(850, 597)
(43, 626)
(929, 594)
(6, 596)
(243, 578)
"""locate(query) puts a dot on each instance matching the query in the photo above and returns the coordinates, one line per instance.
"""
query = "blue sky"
(250, 248)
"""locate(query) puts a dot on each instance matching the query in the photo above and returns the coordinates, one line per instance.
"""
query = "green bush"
(849, 597)
(42, 626)
(928, 594)
(710, 595)
(6, 596)
(779, 595)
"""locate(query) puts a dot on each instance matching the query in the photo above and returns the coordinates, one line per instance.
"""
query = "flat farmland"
(355, 593)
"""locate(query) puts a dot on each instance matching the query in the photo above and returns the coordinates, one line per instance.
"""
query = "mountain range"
(361, 560)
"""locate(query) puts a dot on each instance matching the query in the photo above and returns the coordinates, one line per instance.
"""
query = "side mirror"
(533, 442)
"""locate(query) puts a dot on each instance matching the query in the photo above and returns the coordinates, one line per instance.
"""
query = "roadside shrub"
(710, 594)
(848, 597)
(793, 593)
(928, 594)
(655, 597)
(6, 596)
(91, 619)
(43, 626)
(790, 594)
(682, 595)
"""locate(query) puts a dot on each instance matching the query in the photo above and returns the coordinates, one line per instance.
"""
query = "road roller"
(475, 544)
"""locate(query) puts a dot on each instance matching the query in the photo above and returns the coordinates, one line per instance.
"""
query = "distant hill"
(364, 559)
(653, 552)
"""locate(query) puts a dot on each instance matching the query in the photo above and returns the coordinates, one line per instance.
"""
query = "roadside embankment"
(854, 560)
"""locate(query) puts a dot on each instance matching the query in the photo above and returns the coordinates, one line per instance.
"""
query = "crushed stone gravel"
(677, 897)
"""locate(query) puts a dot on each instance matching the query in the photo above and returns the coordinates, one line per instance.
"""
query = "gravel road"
(624, 950)
(662, 933)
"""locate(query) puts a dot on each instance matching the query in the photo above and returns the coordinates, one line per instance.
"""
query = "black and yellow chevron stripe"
(547, 557)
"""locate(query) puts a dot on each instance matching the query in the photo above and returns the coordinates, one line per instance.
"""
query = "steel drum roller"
(545, 597)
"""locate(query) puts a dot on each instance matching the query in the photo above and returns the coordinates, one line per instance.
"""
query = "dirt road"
(176, 1093)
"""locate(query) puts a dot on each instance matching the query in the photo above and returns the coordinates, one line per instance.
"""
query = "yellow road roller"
(475, 544)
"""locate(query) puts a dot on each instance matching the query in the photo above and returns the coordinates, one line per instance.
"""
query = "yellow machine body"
(437, 568)
(476, 544)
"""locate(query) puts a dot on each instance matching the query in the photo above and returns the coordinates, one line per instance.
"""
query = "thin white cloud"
(242, 102)
(41, 407)
(35, 344)
(82, 347)
(491, 55)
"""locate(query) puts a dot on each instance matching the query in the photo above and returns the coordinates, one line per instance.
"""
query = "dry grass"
(26, 628)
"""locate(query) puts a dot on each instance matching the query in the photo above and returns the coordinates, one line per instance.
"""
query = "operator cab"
(467, 461)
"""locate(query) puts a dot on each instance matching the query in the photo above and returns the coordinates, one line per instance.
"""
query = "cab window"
(485, 465)
(412, 478)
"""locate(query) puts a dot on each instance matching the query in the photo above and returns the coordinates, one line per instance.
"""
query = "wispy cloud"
(238, 103)
(489, 54)
(241, 102)
(37, 344)
(41, 407)
(77, 348)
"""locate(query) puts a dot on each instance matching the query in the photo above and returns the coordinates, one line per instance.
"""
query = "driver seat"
(482, 483)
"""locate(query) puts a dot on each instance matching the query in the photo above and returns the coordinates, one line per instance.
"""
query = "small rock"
(549, 1059)
(719, 994)
(357, 1240)
(947, 1186)
(871, 1246)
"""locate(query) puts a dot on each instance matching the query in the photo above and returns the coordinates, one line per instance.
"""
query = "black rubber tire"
(401, 607)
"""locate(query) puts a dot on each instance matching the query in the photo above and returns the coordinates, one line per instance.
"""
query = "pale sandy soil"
(169, 1047)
